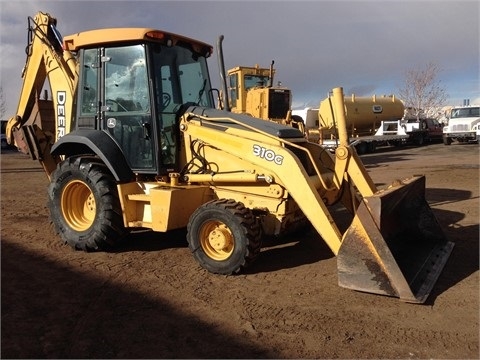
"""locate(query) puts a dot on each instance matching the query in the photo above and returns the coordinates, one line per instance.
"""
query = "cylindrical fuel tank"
(363, 114)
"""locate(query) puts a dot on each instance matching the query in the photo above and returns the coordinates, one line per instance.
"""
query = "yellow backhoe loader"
(131, 139)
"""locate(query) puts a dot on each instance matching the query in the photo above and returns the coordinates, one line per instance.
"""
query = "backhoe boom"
(32, 129)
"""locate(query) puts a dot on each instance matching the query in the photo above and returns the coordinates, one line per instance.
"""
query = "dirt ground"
(149, 299)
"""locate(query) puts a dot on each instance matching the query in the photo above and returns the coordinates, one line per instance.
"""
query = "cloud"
(363, 46)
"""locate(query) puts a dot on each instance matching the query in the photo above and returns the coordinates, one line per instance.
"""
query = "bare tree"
(422, 91)
(3, 107)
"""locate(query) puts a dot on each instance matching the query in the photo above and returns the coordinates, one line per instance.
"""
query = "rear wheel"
(419, 140)
(224, 236)
(84, 205)
(361, 148)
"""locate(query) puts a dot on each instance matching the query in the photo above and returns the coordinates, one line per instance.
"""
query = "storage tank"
(364, 114)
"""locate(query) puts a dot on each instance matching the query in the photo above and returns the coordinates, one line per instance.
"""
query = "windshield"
(255, 81)
(181, 76)
(465, 112)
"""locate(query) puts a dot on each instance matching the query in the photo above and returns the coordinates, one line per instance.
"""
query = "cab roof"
(93, 38)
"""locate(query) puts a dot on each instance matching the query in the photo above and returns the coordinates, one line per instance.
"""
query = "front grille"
(279, 103)
(460, 127)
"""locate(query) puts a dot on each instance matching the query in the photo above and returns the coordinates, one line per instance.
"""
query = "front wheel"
(84, 205)
(224, 236)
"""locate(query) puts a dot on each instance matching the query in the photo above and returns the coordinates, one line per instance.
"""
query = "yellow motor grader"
(132, 139)
(251, 90)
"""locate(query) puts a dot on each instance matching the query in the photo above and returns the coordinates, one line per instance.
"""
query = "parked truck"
(422, 131)
(463, 125)
(131, 140)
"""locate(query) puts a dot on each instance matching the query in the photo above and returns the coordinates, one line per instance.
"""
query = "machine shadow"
(290, 251)
(438, 196)
(464, 260)
(388, 157)
(149, 240)
(304, 246)
(286, 251)
(50, 311)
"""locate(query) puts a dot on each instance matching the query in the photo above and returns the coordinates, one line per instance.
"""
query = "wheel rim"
(78, 205)
(217, 240)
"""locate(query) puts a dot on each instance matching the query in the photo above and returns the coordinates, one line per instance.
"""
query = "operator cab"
(135, 92)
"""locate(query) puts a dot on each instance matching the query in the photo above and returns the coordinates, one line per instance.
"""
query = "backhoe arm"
(39, 123)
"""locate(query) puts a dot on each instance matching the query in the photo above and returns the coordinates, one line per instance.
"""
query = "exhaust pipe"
(223, 74)
(270, 81)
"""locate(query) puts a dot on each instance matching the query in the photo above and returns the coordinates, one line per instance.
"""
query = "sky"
(366, 47)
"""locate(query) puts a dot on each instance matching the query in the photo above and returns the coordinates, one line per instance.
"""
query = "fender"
(85, 141)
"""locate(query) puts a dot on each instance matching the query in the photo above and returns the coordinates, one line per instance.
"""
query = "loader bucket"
(394, 246)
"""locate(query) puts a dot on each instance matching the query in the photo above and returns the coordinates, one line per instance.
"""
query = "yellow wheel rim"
(78, 205)
(217, 240)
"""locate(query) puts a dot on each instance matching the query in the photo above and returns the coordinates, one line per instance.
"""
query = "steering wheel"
(120, 106)
(166, 99)
(180, 110)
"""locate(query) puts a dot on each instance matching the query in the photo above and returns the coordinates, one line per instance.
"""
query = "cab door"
(126, 110)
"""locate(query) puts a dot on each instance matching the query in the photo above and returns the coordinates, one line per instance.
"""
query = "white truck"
(463, 125)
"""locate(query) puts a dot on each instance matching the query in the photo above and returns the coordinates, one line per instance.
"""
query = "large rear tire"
(84, 205)
(224, 236)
